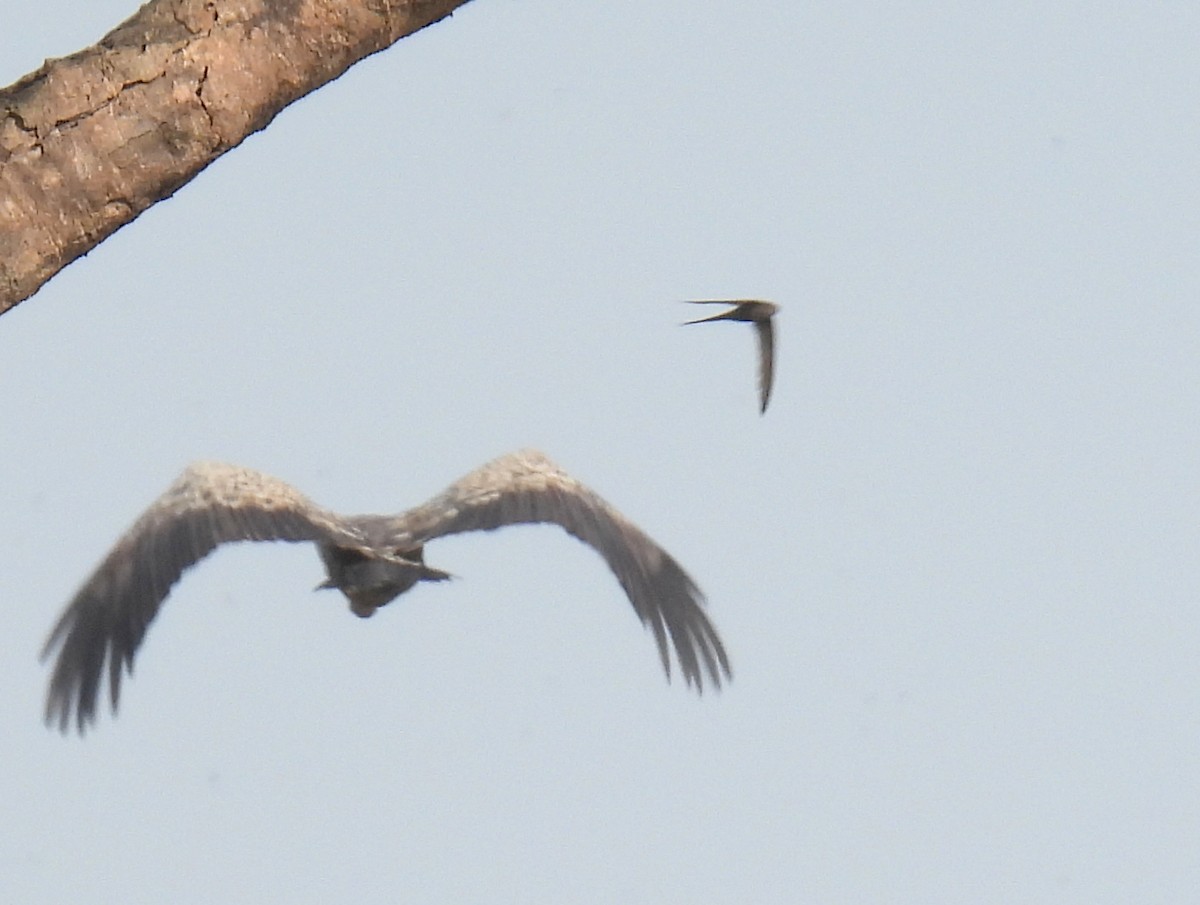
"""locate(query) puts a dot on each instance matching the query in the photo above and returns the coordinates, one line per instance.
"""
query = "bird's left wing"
(208, 505)
(526, 487)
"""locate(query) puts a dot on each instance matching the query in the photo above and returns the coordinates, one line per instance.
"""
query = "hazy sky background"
(955, 563)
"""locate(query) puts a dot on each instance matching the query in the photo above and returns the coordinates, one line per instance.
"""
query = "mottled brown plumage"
(370, 558)
(761, 314)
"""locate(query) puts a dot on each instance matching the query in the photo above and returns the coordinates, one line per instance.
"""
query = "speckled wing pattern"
(208, 505)
(526, 487)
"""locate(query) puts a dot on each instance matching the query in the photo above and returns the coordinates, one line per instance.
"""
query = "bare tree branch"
(90, 141)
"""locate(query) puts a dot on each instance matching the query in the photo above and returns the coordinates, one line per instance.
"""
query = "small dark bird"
(760, 313)
(371, 559)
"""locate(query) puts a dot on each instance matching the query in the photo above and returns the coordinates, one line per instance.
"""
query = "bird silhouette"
(371, 559)
(761, 314)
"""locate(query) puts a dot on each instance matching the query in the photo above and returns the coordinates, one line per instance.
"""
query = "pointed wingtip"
(722, 316)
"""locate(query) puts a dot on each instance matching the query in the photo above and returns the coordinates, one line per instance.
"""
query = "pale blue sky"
(955, 563)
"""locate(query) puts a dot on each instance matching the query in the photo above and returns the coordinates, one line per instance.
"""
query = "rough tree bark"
(90, 141)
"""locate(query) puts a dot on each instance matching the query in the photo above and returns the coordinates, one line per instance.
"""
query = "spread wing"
(766, 359)
(526, 487)
(208, 505)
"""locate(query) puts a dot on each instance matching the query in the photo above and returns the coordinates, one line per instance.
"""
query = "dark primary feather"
(371, 559)
(526, 487)
(210, 504)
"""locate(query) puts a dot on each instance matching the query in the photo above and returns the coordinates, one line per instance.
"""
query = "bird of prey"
(759, 313)
(371, 559)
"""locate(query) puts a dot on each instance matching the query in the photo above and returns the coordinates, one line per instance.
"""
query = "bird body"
(371, 559)
(370, 582)
(761, 314)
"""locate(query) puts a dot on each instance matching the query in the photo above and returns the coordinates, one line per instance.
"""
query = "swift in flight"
(760, 314)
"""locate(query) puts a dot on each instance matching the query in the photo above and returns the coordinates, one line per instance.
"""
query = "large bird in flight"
(370, 558)
(761, 314)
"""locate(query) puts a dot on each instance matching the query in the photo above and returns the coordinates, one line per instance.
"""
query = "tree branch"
(90, 141)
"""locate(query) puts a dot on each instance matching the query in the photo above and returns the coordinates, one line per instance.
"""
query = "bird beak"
(327, 584)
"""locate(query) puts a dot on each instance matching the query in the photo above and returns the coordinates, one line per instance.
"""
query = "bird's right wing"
(766, 360)
(208, 505)
(526, 487)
